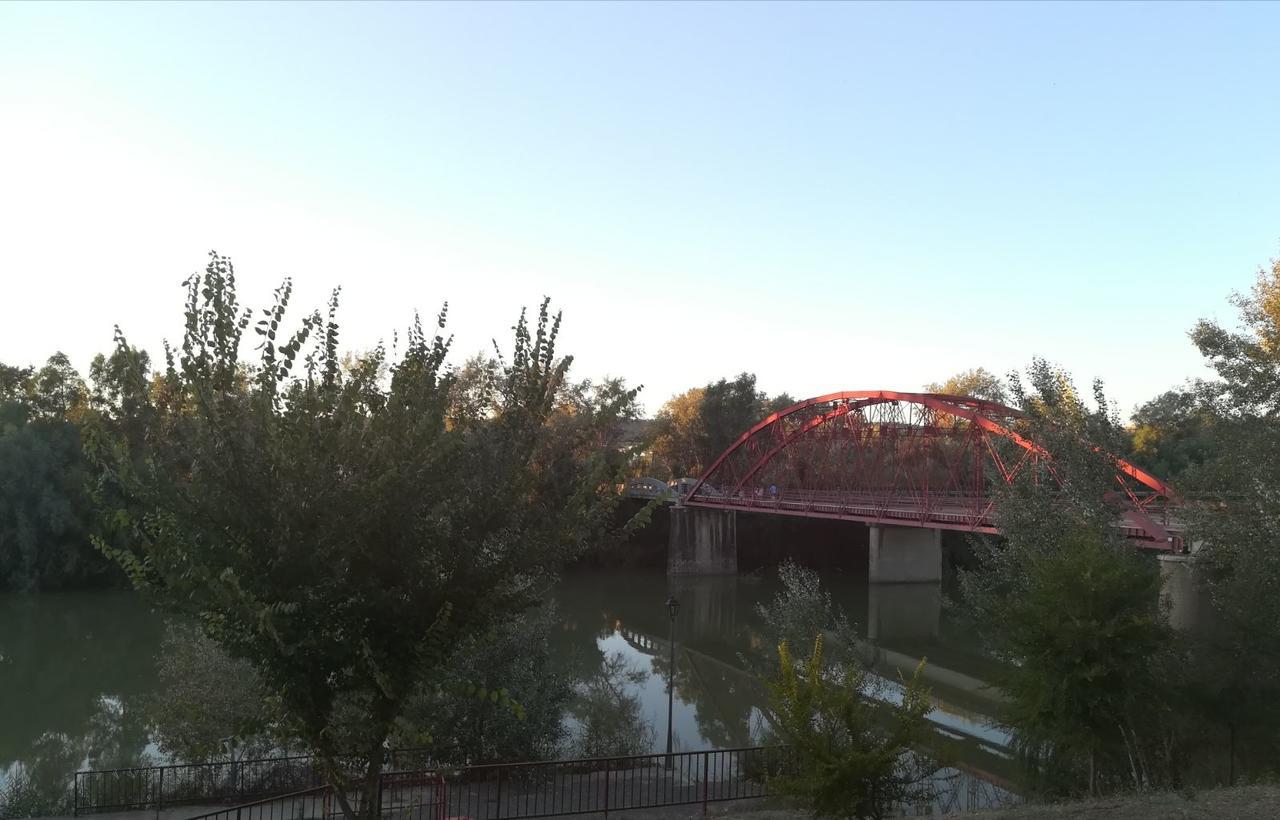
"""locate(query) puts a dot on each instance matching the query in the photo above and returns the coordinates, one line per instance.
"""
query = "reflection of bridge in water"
(716, 676)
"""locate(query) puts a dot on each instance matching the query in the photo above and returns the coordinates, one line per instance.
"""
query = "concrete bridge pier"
(1180, 591)
(702, 542)
(905, 555)
(903, 611)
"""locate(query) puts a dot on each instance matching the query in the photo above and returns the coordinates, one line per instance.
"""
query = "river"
(75, 666)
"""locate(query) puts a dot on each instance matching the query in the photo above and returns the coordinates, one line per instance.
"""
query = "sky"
(831, 196)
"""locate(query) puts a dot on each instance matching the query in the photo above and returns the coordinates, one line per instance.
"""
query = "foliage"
(1086, 690)
(801, 609)
(1248, 360)
(697, 425)
(46, 514)
(1173, 434)
(855, 756)
(1071, 607)
(609, 715)
(516, 655)
(328, 524)
(976, 383)
(209, 706)
(21, 796)
(1236, 521)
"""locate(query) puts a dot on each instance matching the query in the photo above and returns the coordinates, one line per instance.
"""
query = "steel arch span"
(905, 459)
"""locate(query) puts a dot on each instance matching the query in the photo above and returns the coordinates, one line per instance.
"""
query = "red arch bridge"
(910, 465)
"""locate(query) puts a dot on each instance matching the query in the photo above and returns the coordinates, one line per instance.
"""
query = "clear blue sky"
(832, 196)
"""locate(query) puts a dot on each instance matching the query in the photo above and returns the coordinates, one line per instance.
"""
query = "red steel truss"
(907, 459)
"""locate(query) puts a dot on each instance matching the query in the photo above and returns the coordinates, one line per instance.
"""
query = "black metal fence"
(157, 787)
(524, 791)
(292, 788)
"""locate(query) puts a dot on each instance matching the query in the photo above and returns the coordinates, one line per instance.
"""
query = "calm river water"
(73, 666)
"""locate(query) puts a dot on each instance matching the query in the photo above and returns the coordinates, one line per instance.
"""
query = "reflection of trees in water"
(39, 783)
(609, 713)
(73, 649)
(724, 699)
(90, 658)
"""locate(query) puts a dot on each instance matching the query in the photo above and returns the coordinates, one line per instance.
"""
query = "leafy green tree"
(1236, 521)
(802, 609)
(328, 524)
(46, 514)
(776, 404)
(1172, 435)
(855, 758)
(728, 409)
(677, 447)
(694, 427)
(1071, 607)
(209, 706)
(977, 383)
(515, 655)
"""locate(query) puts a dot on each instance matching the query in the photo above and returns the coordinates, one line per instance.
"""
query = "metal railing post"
(160, 795)
(606, 788)
(706, 778)
(75, 795)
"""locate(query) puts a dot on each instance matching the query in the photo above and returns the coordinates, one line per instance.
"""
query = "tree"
(515, 655)
(802, 609)
(729, 408)
(854, 756)
(1247, 361)
(677, 447)
(46, 514)
(976, 383)
(1236, 518)
(1071, 607)
(694, 427)
(1172, 435)
(209, 706)
(328, 524)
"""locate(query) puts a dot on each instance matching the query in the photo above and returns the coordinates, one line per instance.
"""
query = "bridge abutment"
(905, 555)
(702, 542)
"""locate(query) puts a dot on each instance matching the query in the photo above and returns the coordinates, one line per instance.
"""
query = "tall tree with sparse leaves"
(327, 523)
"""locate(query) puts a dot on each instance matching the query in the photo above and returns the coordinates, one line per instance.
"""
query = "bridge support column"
(903, 611)
(905, 555)
(702, 542)
(1180, 591)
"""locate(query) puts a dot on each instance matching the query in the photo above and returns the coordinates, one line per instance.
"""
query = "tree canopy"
(343, 528)
(976, 383)
(697, 425)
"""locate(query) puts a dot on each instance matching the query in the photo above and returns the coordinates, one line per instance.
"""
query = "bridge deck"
(936, 511)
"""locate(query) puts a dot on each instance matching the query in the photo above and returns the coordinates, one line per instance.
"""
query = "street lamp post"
(673, 609)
